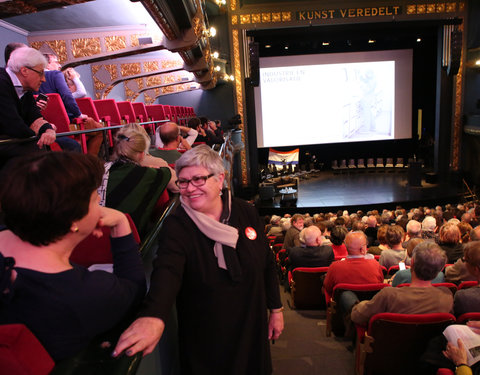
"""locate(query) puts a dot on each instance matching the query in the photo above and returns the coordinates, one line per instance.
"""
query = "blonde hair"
(130, 141)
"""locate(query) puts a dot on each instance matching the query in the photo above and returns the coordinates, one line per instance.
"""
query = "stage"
(325, 191)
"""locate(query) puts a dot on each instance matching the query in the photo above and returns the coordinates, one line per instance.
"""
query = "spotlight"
(232, 78)
(477, 62)
(370, 41)
(325, 43)
(286, 47)
(268, 46)
(215, 55)
(217, 68)
(212, 31)
(419, 40)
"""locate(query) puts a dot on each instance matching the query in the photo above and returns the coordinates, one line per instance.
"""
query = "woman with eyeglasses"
(214, 261)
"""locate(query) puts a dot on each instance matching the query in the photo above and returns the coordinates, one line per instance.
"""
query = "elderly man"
(171, 139)
(420, 297)
(429, 225)
(468, 300)
(293, 233)
(186, 142)
(314, 254)
(357, 268)
(371, 230)
(414, 230)
(19, 115)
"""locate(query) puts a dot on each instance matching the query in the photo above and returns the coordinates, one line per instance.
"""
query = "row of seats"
(112, 113)
(371, 164)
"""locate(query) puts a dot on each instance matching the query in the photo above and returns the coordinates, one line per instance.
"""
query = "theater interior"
(381, 100)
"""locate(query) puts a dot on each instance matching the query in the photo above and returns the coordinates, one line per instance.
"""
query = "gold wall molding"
(84, 47)
(130, 69)
(150, 66)
(59, 47)
(115, 43)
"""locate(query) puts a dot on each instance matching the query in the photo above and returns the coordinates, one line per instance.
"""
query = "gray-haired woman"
(214, 260)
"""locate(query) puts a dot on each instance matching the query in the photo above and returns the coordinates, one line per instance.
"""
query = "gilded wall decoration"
(170, 78)
(139, 82)
(147, 98)
(59, 47)
(154, 80)
(36, 44)
(411, 9)
(129, 69)
(150, 66)
(233, 4)
(197, 26)
(171, 64)
(134, 40)
(95, 69)
(99, 85)
(451, 7)
(234, 20)
(457, 119)
(266, 17)
(461, 7)
(168, 89)
(107, 91)
(431, 8)
(129, 93)
(84, 47)
(286, 16)
(441, 7)
(421, 8)
(244, 18)
(115, 42)
(98, 95)
(256, 18)
(112, 70)
(276, 17)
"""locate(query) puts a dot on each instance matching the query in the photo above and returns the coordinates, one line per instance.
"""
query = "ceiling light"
(371, 41)
(286, 47)
(215, 55)
(217, 68)
(268, 46)
(212, 31)
(232, 78)
(419, 40)
(325, 43)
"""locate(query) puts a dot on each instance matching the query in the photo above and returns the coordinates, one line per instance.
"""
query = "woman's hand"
(457, 355)
(116, 220)
(275, 325)
(142, 335)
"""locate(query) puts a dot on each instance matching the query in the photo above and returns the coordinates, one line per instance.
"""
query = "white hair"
(429, 224)
(25, 57)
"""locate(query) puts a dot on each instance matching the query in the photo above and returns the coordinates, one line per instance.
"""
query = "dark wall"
(216, 104)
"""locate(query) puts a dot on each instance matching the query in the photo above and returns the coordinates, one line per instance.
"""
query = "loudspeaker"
(455, 52)
(254, 52)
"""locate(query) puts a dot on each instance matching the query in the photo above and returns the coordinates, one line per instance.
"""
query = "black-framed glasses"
(40, 73)
(196, 181)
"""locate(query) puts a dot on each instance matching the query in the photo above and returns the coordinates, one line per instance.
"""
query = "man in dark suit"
(314, 254)
(19, 115)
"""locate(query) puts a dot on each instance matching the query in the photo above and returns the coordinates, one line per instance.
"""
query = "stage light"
(268, 46)
(325, 43)
(370, 41)
(286, 47)
(419, 40)
(215, 55)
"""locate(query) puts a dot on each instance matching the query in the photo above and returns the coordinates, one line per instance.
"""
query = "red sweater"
(353, 271)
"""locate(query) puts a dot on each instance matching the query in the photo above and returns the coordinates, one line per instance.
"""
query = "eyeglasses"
(196, 181)
(40, 73)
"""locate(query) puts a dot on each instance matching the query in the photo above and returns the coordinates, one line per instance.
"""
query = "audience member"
(449, 241)
(429, 226)
(468, 300)
(371, 230)
(465, 230)
(50, 204)
(19, 115)
(337, 237)
(169, 137)
(381, 240)
(130, 187)
(275, 229)
(357, 268)
(292, 234)
(395, 253)
(72, 78)
(414, 230)
(420, 297)
(314, 254)
(405, 276)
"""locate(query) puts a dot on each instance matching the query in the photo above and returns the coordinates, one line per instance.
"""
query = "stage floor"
(329, 192)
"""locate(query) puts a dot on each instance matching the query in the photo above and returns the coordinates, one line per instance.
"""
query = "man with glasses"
(19, 115)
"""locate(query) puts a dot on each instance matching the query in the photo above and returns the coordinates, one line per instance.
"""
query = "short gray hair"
(201, 156)
(25, 56)
(428, 260)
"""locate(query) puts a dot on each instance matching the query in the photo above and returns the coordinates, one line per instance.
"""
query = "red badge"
(250, 233)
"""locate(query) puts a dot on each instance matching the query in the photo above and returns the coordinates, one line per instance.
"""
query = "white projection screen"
(334, 98)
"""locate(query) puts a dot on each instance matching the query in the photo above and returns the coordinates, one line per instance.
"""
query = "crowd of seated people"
(429, 246)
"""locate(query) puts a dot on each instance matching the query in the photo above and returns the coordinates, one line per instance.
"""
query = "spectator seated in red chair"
(275, 227)
(188, 134)
(129, 183)
(420, 297)
(337, 237)
(458, 272)
(468, 300)
(292, 234)
(313, 254)
(449, 237)
(381, 241)
(50, 203)
(395, 253)
(172, 141)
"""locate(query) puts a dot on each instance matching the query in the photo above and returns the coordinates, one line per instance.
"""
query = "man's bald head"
(356, 243)
(311, 235)
(169, 133)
